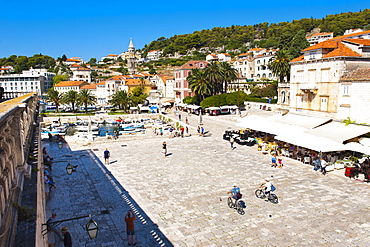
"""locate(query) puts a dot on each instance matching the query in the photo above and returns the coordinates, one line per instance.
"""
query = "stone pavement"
(180, 200)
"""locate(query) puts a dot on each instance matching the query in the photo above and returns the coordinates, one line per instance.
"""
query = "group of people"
(276, 161)
(64, 235)
(48, 161)
(235, 194)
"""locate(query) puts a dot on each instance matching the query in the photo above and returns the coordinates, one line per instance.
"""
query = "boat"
(110, 121)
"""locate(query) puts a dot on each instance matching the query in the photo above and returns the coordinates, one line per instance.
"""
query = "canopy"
(144, 108)
(229, 107)
(267, 125)
(357, 147)
(339, 132)
(213, 108)
(320, 144)
(301, 120)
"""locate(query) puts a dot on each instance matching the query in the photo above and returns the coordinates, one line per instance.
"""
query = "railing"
(11, 95)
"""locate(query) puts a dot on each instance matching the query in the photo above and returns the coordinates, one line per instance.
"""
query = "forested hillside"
(265, 35)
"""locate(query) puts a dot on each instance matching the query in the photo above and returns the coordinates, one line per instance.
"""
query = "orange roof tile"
(360, 74)
(365, 42)
(72, 60)
(90, 86)
(297, 59)
(83, 69)
(69, 83)
(342, 51)
(193, 64)
(132, 82)
(325, 44)
(350, 35)
(75, 65)
(101, 83)
(256, 49)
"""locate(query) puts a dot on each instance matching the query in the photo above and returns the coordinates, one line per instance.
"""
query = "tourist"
(106, 156)
(273, 161)
(67, 237)
(280, 162)
(179, 117)
(323, 166)
(130, 227)
(186, 120)
(164, 148)
(198, 130)
(49, 180)
(232, 142)
(202, 131)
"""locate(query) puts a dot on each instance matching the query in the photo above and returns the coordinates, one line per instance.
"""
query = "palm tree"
(214, 76)
(280, 66)
(229, 74)
(198, 83)
(86, 98)
(121, 99)
(70, 97)
(55, 97)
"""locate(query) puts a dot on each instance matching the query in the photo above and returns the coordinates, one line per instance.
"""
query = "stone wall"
(17, 123)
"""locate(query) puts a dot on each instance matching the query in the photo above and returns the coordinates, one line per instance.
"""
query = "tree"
(86, 98)
(58, 78)
(92, 61)
(121, 99)
(70, 97)
(228, 73)
(198, 83)
(55, 97)
(280, 65)
(214, 76)
(298, 43)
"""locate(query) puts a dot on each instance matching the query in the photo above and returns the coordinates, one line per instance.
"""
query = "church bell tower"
(131, 60)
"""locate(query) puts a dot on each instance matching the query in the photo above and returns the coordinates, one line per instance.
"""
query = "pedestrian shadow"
(110, 204)
(114, 161)
(169, 154)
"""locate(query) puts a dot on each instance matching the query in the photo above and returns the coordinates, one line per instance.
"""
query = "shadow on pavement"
(92, 189)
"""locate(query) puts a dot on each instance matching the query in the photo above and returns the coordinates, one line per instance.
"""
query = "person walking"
(280, 162)
(202, 131)
(273, 161)
(323, 166)
(232, 142)
(186, 120)
(106, 156)
(67, 237)
(164, 148)
(130, 227)
(179, 117)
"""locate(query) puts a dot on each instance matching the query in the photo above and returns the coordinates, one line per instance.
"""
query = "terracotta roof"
(365, 42)
(90, 86)
(101, 83)
(193, 64)
(112, 55)
(342, 51)
(361, 74)
(72, 60)
(82, 68)
(350, 35)
(75, 65)
(325, 44)
(297, 59)
(244, 54)
(69, 83)
(256, 49)
(116, 78)
(132, 82)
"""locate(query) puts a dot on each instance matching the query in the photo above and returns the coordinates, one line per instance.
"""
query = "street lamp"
(69, 169)
(60, 145)
(92, 228)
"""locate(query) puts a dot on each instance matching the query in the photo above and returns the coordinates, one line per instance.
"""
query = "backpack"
(273, 188)
(242, 204)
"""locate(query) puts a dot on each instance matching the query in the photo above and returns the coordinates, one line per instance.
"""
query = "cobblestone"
(180, 200)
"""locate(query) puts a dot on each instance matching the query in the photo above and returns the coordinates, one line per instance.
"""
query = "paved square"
(180, 200)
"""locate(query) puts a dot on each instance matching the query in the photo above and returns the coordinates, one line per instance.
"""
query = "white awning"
(339, 132)
(229, 107)
(213, 108)
(320, 144)
(144, 108)
(301, 120)
(357, 147)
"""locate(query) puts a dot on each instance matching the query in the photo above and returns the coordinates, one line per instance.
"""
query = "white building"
(81, 74)
(65, 86)
(110, 57)
(154, 55)
(319, 37)
(318, 85)
(33, 80)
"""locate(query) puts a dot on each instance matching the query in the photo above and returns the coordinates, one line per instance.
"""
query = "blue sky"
(94, 28)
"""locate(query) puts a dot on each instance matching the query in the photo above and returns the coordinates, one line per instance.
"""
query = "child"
(280, 162)
(273, 160)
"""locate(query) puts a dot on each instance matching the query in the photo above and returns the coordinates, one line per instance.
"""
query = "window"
(346, 89)
(283, 97)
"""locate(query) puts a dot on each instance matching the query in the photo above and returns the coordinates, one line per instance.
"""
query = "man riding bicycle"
(267, 185)
(235, 194)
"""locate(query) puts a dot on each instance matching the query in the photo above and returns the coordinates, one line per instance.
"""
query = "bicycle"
(260, 193)
(239, 205)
